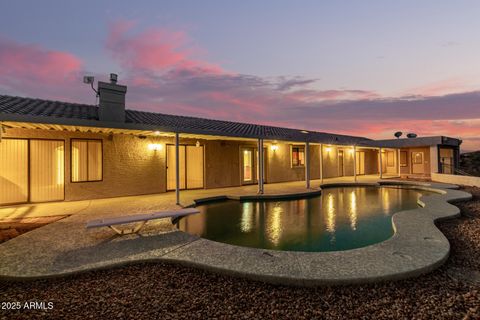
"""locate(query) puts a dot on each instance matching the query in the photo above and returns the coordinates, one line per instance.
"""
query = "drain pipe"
(177, 167)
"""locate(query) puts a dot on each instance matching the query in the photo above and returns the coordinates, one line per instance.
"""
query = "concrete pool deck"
(66, 247)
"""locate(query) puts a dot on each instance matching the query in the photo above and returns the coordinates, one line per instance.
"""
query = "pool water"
(338, 219)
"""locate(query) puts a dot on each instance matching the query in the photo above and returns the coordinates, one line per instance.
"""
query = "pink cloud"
(152, 50)
(440, 88)
(33, 70)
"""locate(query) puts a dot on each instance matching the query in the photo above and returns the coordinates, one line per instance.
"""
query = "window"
(87, 162)
(403, 159)
(298, 156)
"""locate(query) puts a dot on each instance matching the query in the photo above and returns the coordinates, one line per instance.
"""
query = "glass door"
(247, 165)
(13, 171)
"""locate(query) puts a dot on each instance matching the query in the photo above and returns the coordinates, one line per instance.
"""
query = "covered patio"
(165, 201)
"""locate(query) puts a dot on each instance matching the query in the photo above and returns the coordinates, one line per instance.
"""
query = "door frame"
(413, 164)
(166, 165)
(29, 180)
(254, 165)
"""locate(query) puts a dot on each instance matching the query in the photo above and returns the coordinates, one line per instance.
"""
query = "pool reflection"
(339, 219)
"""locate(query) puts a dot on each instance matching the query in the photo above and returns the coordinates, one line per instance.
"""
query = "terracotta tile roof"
(174, 123)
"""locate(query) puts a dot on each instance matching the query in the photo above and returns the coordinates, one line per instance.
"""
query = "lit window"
(87, 161)
(298, 156)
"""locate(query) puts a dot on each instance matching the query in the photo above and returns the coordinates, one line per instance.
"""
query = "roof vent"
(411, 135)
(112, 100)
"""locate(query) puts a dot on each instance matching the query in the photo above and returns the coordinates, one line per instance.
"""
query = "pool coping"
(417, 247)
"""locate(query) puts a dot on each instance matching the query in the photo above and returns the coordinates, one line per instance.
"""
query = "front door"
(248, 165)
(418, 162)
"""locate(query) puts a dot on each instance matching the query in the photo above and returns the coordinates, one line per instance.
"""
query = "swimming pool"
(341, 218)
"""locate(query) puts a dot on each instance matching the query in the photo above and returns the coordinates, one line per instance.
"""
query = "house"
(55, 151)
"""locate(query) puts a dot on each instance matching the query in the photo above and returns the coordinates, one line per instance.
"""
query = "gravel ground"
(163, 291)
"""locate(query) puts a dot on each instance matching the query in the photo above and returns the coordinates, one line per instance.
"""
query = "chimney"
(112, 100)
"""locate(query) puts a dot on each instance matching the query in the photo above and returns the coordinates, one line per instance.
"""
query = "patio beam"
(177, 168)
(261, 169)
(307, 165)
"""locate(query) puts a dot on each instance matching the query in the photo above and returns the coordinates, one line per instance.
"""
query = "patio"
(162, 201)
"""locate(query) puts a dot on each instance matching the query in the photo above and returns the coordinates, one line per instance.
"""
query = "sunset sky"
(366, 68)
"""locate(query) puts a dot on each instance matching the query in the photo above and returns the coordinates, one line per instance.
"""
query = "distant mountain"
(470, 163)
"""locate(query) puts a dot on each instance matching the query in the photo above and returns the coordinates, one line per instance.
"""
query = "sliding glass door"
(31, 170)
(13, 171)
(190, 164)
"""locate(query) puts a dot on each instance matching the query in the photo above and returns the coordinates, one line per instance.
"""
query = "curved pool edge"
(417, 247)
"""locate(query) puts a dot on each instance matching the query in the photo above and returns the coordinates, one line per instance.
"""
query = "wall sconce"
(274, 147)
(197, 144)
(328, 149)
(157, 133)
(350, 151)
(155, 146)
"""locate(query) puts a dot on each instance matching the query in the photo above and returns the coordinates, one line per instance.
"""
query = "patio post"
(321, 163)
(261, 169)
(380, 165)
(355, 163)
(177, 168)
(307, 165)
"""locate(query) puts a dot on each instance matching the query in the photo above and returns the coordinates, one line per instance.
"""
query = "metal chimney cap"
(113, 77)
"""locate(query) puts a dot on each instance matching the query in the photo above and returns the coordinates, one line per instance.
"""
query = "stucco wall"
(279, 167)
(456, 179)
(222, 163)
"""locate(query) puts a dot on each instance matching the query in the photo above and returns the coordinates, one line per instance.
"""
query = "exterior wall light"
(350, 150)
(197, 144)
(328, 149)
(157, 133)
(155, 146)
(274, 147)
